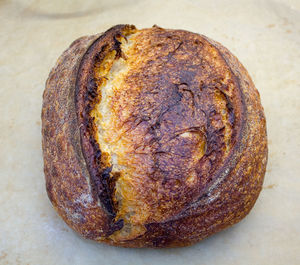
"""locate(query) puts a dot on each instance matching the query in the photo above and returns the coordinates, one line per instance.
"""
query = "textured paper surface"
(264, 35)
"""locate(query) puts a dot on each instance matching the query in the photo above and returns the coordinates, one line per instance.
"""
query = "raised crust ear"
(195, 175)
(67, 177)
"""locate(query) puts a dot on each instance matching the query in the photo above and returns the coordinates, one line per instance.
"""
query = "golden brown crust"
(196, 146)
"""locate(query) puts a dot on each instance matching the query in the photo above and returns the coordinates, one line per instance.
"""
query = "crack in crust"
(172, 134)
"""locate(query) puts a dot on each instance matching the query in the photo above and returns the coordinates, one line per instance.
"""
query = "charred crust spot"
(104, 196)
(116, 226)
(117, 45)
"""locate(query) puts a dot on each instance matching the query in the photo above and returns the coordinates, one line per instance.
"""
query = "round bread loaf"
(151, 137)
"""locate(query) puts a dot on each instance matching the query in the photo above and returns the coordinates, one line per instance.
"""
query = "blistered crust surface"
(177, 209)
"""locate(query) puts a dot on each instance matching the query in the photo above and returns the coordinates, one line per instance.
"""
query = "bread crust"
(79, 181)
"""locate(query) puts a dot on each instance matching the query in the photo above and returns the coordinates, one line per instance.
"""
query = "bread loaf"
(151, 137)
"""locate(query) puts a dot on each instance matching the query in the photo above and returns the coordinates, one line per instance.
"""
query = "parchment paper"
(264, 35)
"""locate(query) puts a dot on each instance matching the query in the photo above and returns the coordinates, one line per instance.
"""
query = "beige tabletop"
(264, 35)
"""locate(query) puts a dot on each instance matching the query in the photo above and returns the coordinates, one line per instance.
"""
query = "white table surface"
(265, 36)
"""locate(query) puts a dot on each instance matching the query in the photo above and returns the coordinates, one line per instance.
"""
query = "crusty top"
(170, 123)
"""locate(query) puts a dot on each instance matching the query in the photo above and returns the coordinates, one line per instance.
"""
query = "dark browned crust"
(78, 179)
